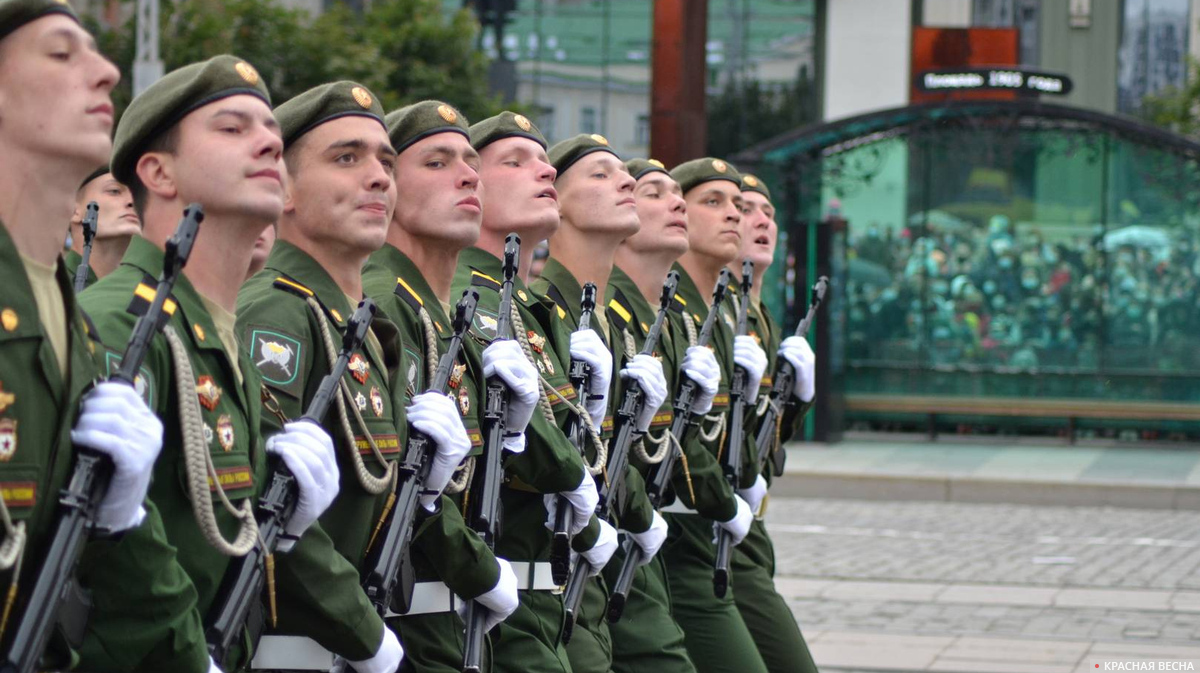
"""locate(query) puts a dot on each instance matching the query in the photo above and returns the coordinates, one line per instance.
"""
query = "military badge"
(361, 97)
(464, 400)
(275, 356)
(359, 367)
(522, 296)
(596, 137)
(208, 392)
(225, 432)
(656, 163)
(247, 72)
(541, 367)
(548, 361)
(522, 122)
(750, 180)
(6, 398)
(719, 166)
(360, 401)
(199, 330)
(8, 438)
(456, 374)
(537, 342)
(446, 112)
(208, 434)
(485, 324)
(376, 401)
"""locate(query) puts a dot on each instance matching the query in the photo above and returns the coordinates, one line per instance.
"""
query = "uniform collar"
(492, 266)
(568, 287)
(402, 267)
(294, 264)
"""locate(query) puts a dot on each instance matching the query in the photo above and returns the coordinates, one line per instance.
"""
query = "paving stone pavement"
(916, 586)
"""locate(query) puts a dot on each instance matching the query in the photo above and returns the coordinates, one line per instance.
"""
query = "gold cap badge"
(247, 72)
(656, 163)
(522, 122)
(719, 166)
(447, 113)
(751, 180)
(9, 319)
(361, 96)
(599, 138)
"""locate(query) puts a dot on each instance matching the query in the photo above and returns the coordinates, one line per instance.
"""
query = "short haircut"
(166, 142)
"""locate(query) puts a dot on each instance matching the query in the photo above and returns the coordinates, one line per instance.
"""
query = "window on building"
(587, 120)
(641, 132)
(1153, 51)
(545, 122)
(1020, 14)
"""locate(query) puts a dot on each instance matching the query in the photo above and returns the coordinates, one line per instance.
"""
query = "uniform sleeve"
(549, 463)
(148, 624)
(463, 561)
(319, 596)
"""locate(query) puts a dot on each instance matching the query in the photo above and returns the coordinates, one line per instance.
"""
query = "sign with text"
(992, 79)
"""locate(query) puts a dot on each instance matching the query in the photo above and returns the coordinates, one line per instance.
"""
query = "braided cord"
(462, 477)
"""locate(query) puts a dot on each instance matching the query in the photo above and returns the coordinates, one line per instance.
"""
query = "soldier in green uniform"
(205, 134)
(437, 215)
(57, 125)
(520, 197)
(598, 211)
(752, 564)
(716, 636)
(116, 223)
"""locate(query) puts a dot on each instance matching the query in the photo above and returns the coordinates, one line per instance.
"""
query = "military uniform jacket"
(446, 549)
(549, 463)
(767, 332)
(72, 260)
(559, 287)
(627, 307)
(38, 406)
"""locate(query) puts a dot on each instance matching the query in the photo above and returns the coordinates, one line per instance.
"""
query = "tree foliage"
(748, 112)
(1176, 109)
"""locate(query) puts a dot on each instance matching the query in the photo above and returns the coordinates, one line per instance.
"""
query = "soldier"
(58, 118)
(204, 133)
(116, 223)
(520, 197)
(598, 211)
(716, 636)
(262, 248)
(752, 564)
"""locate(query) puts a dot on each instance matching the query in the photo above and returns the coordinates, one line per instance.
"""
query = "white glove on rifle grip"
(308, 453)
(700, 365)
(504, 358)
(748, 355)
(437, 416)
(796, 350)
(583, 499)
(651, 540)
(739, 525)
(755, 493)
(116, 422)
(647, 370)
(606, 545)
(587, 346)
(387, 658)
(501, 600)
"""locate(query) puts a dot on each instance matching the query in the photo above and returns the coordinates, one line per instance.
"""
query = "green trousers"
(590, 649)
(529, 640)
(715, 634)
(646, 639)
(764, 611)
(432, 643)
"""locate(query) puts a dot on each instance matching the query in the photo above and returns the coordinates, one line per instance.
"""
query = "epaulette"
(90, 327)
(678, 304)
(405, 292)
(618, 310)
(556, 299)
(289, 285)
(480, 279)
(143, 297)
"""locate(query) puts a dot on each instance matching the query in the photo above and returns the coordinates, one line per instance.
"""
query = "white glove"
(755, 494)
(587, 346)
(505, 359)
(501, 600)
(651, 540)
(213, 667)
(739, 525)
(583, 499)
(606, 545)
(647, 370)
(308, 452)
(700, 365)
(748, 355)
(387, 658)
(796, 350)
(116, 422)
(436, 416)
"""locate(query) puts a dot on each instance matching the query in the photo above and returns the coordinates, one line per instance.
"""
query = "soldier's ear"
(156, 170)
(289, 196)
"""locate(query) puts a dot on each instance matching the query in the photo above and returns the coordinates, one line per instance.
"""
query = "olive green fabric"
(698, 171)
(17, 13)
(72, 260)
(171, 98)
(413, 123)
(640, 167)
(433, 642)
(504, 125)
(564, 154)
(752, 183)
(325, 103)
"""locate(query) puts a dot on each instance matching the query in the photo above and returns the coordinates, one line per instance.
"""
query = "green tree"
(747, 112)
(1176, 109)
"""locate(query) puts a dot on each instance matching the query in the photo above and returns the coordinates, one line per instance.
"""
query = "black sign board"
(993, 79)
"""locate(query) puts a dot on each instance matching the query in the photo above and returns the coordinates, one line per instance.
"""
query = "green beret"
(325, 103)
(171, 98)
(99, 172)
(17, 13)
(416, 122)
(640, 167)
(697, 171)
(504, 125)
(564, 154)
(751, 183)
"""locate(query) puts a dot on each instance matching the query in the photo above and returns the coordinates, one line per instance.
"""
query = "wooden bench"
(1071, 409)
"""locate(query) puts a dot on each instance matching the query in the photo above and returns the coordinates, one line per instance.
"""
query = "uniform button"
(9, 319)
